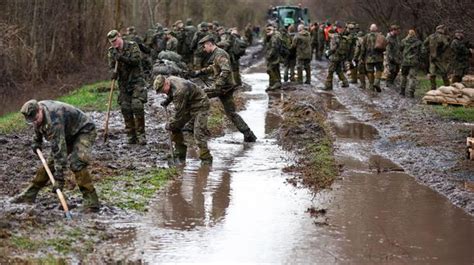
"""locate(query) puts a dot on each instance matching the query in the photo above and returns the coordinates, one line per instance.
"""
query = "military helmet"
(189, 21)
(113, 35)
(29, 109)
(204, 25)
(158, 83)
(206, 39)
(215, 23)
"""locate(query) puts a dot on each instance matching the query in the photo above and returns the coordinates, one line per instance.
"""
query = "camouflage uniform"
(321, 39)
(191, 104)
(145, 51)
(302, 44)
(223, 88)
(437, 45)
(351, 32)
(199, 56)
(71, 133)
(394, 59)
(249, 34)
(411, 52)
(359, 65)
(461, 49)
(373, 59)
(237, 45)
(189, 31)
(315, 43)
(172, 44)
(272, 56)
(338, 49)
(132, 91)
(289, 61)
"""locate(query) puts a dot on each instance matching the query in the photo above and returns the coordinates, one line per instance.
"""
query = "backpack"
(380, 42)
(239, 47)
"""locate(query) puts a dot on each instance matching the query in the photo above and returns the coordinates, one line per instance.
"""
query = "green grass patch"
(88, 98)
(424, 85)
(133, 191)
(322, 164)
(215, 122)
(24, 243)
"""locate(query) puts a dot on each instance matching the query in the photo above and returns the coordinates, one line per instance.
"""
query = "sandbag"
(468, 92)
(429, 98)
(434, 93)
(170, 55)
(458, 85)
(166, 67)
(449, 90)
(468, 81)
(463, 101)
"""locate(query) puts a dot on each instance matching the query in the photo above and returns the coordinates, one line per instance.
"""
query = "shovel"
(170, 143)
(107, 116)
(58, 191)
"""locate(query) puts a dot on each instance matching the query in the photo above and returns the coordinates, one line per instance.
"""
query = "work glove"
(35, 146)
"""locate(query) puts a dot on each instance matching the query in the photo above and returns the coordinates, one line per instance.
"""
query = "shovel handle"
(109, 105)
(58, 191)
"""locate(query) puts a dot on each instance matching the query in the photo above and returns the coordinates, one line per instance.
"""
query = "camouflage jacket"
(61, 124)
(393, 50)
(358, 48)
(302, 44)
(314, 37)
(436, 46)
(187, 98)
(368, 52)
(129, 65)
(340, 47)
(462, 54)
(172, 44)
(180, 36)
(411, 51)
(272, 48)
(220, 69)
(197, 37)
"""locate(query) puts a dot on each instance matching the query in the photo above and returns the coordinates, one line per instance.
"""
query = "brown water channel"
(242, 210)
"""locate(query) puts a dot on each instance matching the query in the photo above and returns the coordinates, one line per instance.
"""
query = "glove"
(35, 146)
(58, 184)
(114, 75)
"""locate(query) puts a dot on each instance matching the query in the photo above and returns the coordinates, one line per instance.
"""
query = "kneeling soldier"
(71, 132)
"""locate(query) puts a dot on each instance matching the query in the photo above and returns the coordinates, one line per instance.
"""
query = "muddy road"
(247, 206)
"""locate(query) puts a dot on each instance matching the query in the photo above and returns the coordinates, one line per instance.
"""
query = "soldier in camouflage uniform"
(393, 53)
(191, 104)
(224, 85)
(302, 44)
(239, 46)
(321, 39)
(373, 58)
(249, 34)
(436, 45)
(289, 60)
(462, 53)
(145, 50)
(411, 52)
(359, 65)
(314, 41)
(187, 52)
(171, 41)
(71, 133)
(337, 53)
(272, 56)
(132, 94)
(198, 59)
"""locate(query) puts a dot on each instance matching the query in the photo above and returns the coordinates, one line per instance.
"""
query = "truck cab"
(283, 16)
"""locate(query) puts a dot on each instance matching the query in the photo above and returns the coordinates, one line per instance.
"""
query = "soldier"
(145, 50)
(321, 39)
(411, 52)
(437, 45)
(132, 94)
(337, 52)
(314, 41)
(198, 61)
(71, 134)
(302, 44)
(289, 60)
(191, 104)
(224, 86)
(462, 53)
(372, 54)
(393, 53)
(249, 33)
(359, 65)
(171, 41)
(272, 56)
(239, 45)
(350, 33)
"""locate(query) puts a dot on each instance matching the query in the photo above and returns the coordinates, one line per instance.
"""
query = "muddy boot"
(130, 129)
(371, 78)
(249, 137)
(276, 86)
(140, 125)
(308, 76)
(362, 81)
(90, 201)
(457, 79)
(328, 84)
(378, 77)
(28, 195)
(343, 78)
(433, 82)
(285, 75)
(205, 156)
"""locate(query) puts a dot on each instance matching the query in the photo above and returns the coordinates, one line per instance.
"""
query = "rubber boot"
(285, 75)
(28, 195)
(205, 156)
(300, 75)
(362, 81)
(371, 78)
(130, 129)
(343, 78)
(276, 86)
(140, 125)
(433, 82)
(457, 79)
(328, 84)
(378, 77)
(180, 148)
(90, 199)
(249, 137)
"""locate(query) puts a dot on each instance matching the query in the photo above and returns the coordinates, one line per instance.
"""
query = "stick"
(170, 143)
(58, 191)
(107, 116)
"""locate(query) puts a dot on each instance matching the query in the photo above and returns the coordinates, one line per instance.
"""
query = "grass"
(89, 97)
(463, 114)
(323, 164)
(215, 122)
(132, 191)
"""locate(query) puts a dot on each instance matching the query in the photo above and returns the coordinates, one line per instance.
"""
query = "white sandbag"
(449, 90)
(434, 93)
(458, 86)
(468, 92)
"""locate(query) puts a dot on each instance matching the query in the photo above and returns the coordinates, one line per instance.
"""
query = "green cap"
(113, 35)
(29, 109)
(158, 83)
(206, 39)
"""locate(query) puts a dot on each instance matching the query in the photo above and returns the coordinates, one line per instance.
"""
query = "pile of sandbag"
(456, 94)
(167, 67)
(468, 80)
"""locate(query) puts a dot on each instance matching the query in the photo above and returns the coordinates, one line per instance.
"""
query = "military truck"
(283, 16)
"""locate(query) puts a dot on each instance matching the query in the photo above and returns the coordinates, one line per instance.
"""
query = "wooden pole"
(107, 116)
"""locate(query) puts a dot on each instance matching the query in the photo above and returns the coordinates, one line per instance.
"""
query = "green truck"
(283, 16)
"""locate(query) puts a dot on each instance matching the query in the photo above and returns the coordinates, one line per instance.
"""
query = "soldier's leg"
(299, 69)
(362, 74)
(201, 136)
(236, 74)
(329, 77)
(433, 81)
(307, 67)
(139, 98)
(286, 70)
(403, 85)
(125, 101)
(38, 182)
(370, 75)
(271, 77)
(276, 76)
(413, 82)
(292, 64)
(341, 75)
(378, 76)
(445, 80)
(229, 108)
(180, 148)
(353, 71)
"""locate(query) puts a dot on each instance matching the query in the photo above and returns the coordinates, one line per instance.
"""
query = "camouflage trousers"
(315, 51)
(409, 80)
(335, 67)
(306, 65)
(393, 69)
(230, 111)
(131, 103)
(273, 71)
(201, 134)
(289, 65)
(78, 150)
(236, 74)
(374, 79)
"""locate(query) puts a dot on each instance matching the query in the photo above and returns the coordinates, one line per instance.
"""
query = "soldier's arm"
(180, 100)
(59, 148)
(363, 50)
(226, 71)
(134, 58)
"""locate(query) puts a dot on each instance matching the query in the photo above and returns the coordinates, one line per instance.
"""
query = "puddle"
(355, 130)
